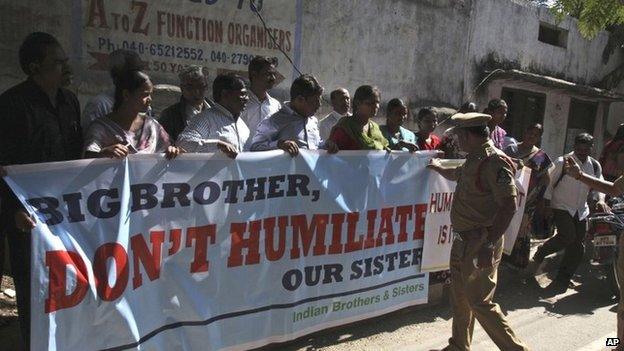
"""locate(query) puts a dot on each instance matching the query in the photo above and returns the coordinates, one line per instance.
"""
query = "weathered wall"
(17, 19)
(410, 49)
(508, 32)
(429, 52)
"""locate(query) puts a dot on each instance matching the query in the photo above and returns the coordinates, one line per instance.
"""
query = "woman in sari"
(539, 163)
(611, 149)
(128, 130)
(359, 132)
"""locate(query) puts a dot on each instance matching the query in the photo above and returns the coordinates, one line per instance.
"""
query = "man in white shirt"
(566, 202)
(294, 126)
(220, 127)
(341, 102)
(120, 61)
(262, 78)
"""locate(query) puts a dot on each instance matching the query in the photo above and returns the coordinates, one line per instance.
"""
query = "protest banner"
(438, 228)
(205, 252)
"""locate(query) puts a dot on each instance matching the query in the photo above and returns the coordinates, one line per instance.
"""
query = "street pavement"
(580, 319)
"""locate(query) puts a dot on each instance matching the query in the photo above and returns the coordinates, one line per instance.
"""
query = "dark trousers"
(20, 253)
(569, 237)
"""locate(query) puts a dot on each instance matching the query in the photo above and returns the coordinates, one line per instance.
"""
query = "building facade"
(428, 52)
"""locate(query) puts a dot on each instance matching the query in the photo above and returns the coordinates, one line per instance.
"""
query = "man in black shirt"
(40, 123)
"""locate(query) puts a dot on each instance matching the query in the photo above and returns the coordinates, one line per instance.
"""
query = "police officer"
(483, 206)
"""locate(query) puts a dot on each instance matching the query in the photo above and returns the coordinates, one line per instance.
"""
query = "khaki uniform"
(484, 181)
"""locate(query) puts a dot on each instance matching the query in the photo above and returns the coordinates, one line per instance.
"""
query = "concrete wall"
(429, 52)
(410, 49)
(508, 31)
(18, 19)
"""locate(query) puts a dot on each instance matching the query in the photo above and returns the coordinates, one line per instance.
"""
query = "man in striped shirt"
(220, 127)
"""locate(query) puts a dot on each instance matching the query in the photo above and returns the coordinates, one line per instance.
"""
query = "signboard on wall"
(220, 35)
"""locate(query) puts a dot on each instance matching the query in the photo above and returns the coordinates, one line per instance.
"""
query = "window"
(552, 35)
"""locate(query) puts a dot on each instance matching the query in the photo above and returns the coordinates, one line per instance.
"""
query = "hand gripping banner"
(208, 253)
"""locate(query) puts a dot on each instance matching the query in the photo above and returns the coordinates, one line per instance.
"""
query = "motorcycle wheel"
(612, 280)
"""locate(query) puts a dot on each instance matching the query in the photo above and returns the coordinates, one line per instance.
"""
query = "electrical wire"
(266, 28)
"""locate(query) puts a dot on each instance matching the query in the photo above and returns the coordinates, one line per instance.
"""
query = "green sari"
(373, 139)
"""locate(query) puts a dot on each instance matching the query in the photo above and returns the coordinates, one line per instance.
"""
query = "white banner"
(522, 184)
(438, 228)
(208, 253)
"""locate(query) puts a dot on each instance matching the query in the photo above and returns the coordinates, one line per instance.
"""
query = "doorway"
(581, 119)
(524, 109)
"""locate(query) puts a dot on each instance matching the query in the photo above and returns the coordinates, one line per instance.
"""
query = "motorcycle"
(603, 232)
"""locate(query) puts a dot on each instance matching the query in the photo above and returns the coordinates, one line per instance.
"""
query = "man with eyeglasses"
(193, 84)
(40, 123)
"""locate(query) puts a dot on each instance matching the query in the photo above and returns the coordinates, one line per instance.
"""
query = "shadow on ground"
(513, 293)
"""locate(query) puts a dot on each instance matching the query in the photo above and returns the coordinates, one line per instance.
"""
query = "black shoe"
(558, 286)
(532, 283)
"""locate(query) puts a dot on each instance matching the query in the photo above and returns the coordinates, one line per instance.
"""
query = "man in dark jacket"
(40, 123)
(193, 84)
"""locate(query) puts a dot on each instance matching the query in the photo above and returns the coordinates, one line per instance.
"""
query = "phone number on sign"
(180, 52)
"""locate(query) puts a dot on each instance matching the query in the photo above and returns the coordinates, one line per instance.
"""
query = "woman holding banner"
(128, 130)
(359, 132)
(539, 163)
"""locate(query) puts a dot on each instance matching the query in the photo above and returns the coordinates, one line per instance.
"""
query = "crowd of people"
(42, 122)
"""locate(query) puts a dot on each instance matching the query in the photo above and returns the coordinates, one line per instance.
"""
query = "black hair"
(584, 139)
(258, 63)
(122, 61)
(425, 111)
(305, 85)
(495, 104)
(334, 94)
(363, 93)
(34, 49)
(468, 106)
(226, 82)
(130, 81)
(535, 126)
(394, 103)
